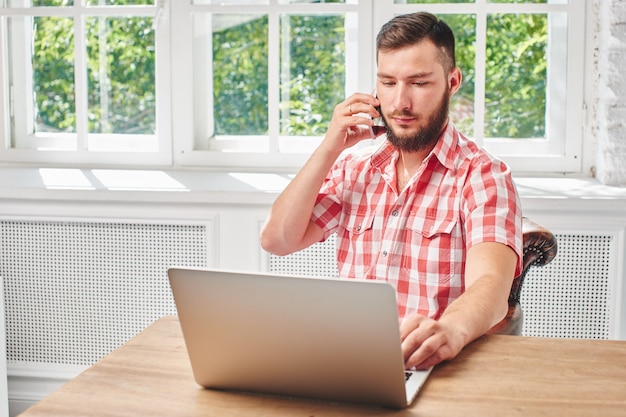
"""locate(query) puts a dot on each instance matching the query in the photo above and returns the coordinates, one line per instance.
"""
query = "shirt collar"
(446, 147)
(444, 150)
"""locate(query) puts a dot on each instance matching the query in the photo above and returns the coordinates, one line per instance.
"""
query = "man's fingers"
(425, 364)
(419, 346)
(409, 325)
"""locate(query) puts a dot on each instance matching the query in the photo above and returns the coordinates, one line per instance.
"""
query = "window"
(79, 82)
(253, 83)
(266, 77)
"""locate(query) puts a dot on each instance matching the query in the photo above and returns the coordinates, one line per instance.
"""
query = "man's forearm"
(489, 273)
(478, 309)
(288, 227)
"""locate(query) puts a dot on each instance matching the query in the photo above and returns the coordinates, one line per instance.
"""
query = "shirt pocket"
(436, 234)
(430, 224)
(356, 222)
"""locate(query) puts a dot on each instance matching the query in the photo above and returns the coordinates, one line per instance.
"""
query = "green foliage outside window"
(313, 77)
(240, 79)
(122, 79)
(53, 73)
(516, 69)
(316, 73)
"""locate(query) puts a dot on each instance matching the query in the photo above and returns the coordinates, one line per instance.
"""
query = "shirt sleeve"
(327, 209)
(492, 209)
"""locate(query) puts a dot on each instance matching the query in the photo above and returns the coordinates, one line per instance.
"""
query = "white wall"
(605, 81)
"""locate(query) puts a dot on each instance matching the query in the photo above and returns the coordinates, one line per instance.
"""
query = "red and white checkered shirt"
(417, 240)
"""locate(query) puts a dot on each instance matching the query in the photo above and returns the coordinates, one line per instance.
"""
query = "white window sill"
(218, 187)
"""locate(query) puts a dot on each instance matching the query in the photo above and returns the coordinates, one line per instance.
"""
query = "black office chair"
(540, 247)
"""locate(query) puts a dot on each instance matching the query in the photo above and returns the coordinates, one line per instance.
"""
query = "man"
(428, 211)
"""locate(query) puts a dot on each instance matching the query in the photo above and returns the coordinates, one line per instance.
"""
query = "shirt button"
(394, 213)
(384, 253)
(358, 228)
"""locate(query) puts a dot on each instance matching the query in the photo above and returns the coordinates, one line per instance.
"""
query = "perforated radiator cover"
(74, 291)
(571, 296)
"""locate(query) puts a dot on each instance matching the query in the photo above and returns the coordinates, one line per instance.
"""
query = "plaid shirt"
(417, 239)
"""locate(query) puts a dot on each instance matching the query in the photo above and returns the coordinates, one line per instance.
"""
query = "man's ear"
(454, 80)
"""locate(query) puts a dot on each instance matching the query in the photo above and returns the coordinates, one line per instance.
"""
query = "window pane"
(515, 96)
(529, 1)
(121, 77)
(53, 74)
(39, 3)
(431, 1)
(310, 1)
(462, 104)
(240, 65)
(233, 2)
(312, 72)
(119, 2)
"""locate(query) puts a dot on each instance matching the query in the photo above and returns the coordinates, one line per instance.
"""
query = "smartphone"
(378, 121)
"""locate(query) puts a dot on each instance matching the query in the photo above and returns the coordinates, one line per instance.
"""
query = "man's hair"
(409, 29)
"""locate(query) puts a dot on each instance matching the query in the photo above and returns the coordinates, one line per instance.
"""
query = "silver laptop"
(327, 339)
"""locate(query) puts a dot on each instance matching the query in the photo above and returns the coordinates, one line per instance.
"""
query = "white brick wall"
(608, 92)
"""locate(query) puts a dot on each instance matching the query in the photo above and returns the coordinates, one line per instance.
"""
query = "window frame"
(190, 150)
(563, 155)
(177, 141)
(34, 148)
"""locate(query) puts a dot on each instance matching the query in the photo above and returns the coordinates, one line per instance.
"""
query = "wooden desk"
(494, 376)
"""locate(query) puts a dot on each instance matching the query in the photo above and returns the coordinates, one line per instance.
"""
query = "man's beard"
(427, 135)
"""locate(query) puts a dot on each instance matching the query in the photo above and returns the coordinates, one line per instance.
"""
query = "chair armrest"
(540, 248)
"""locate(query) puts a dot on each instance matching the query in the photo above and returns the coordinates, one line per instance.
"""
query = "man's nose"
(401, 98)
